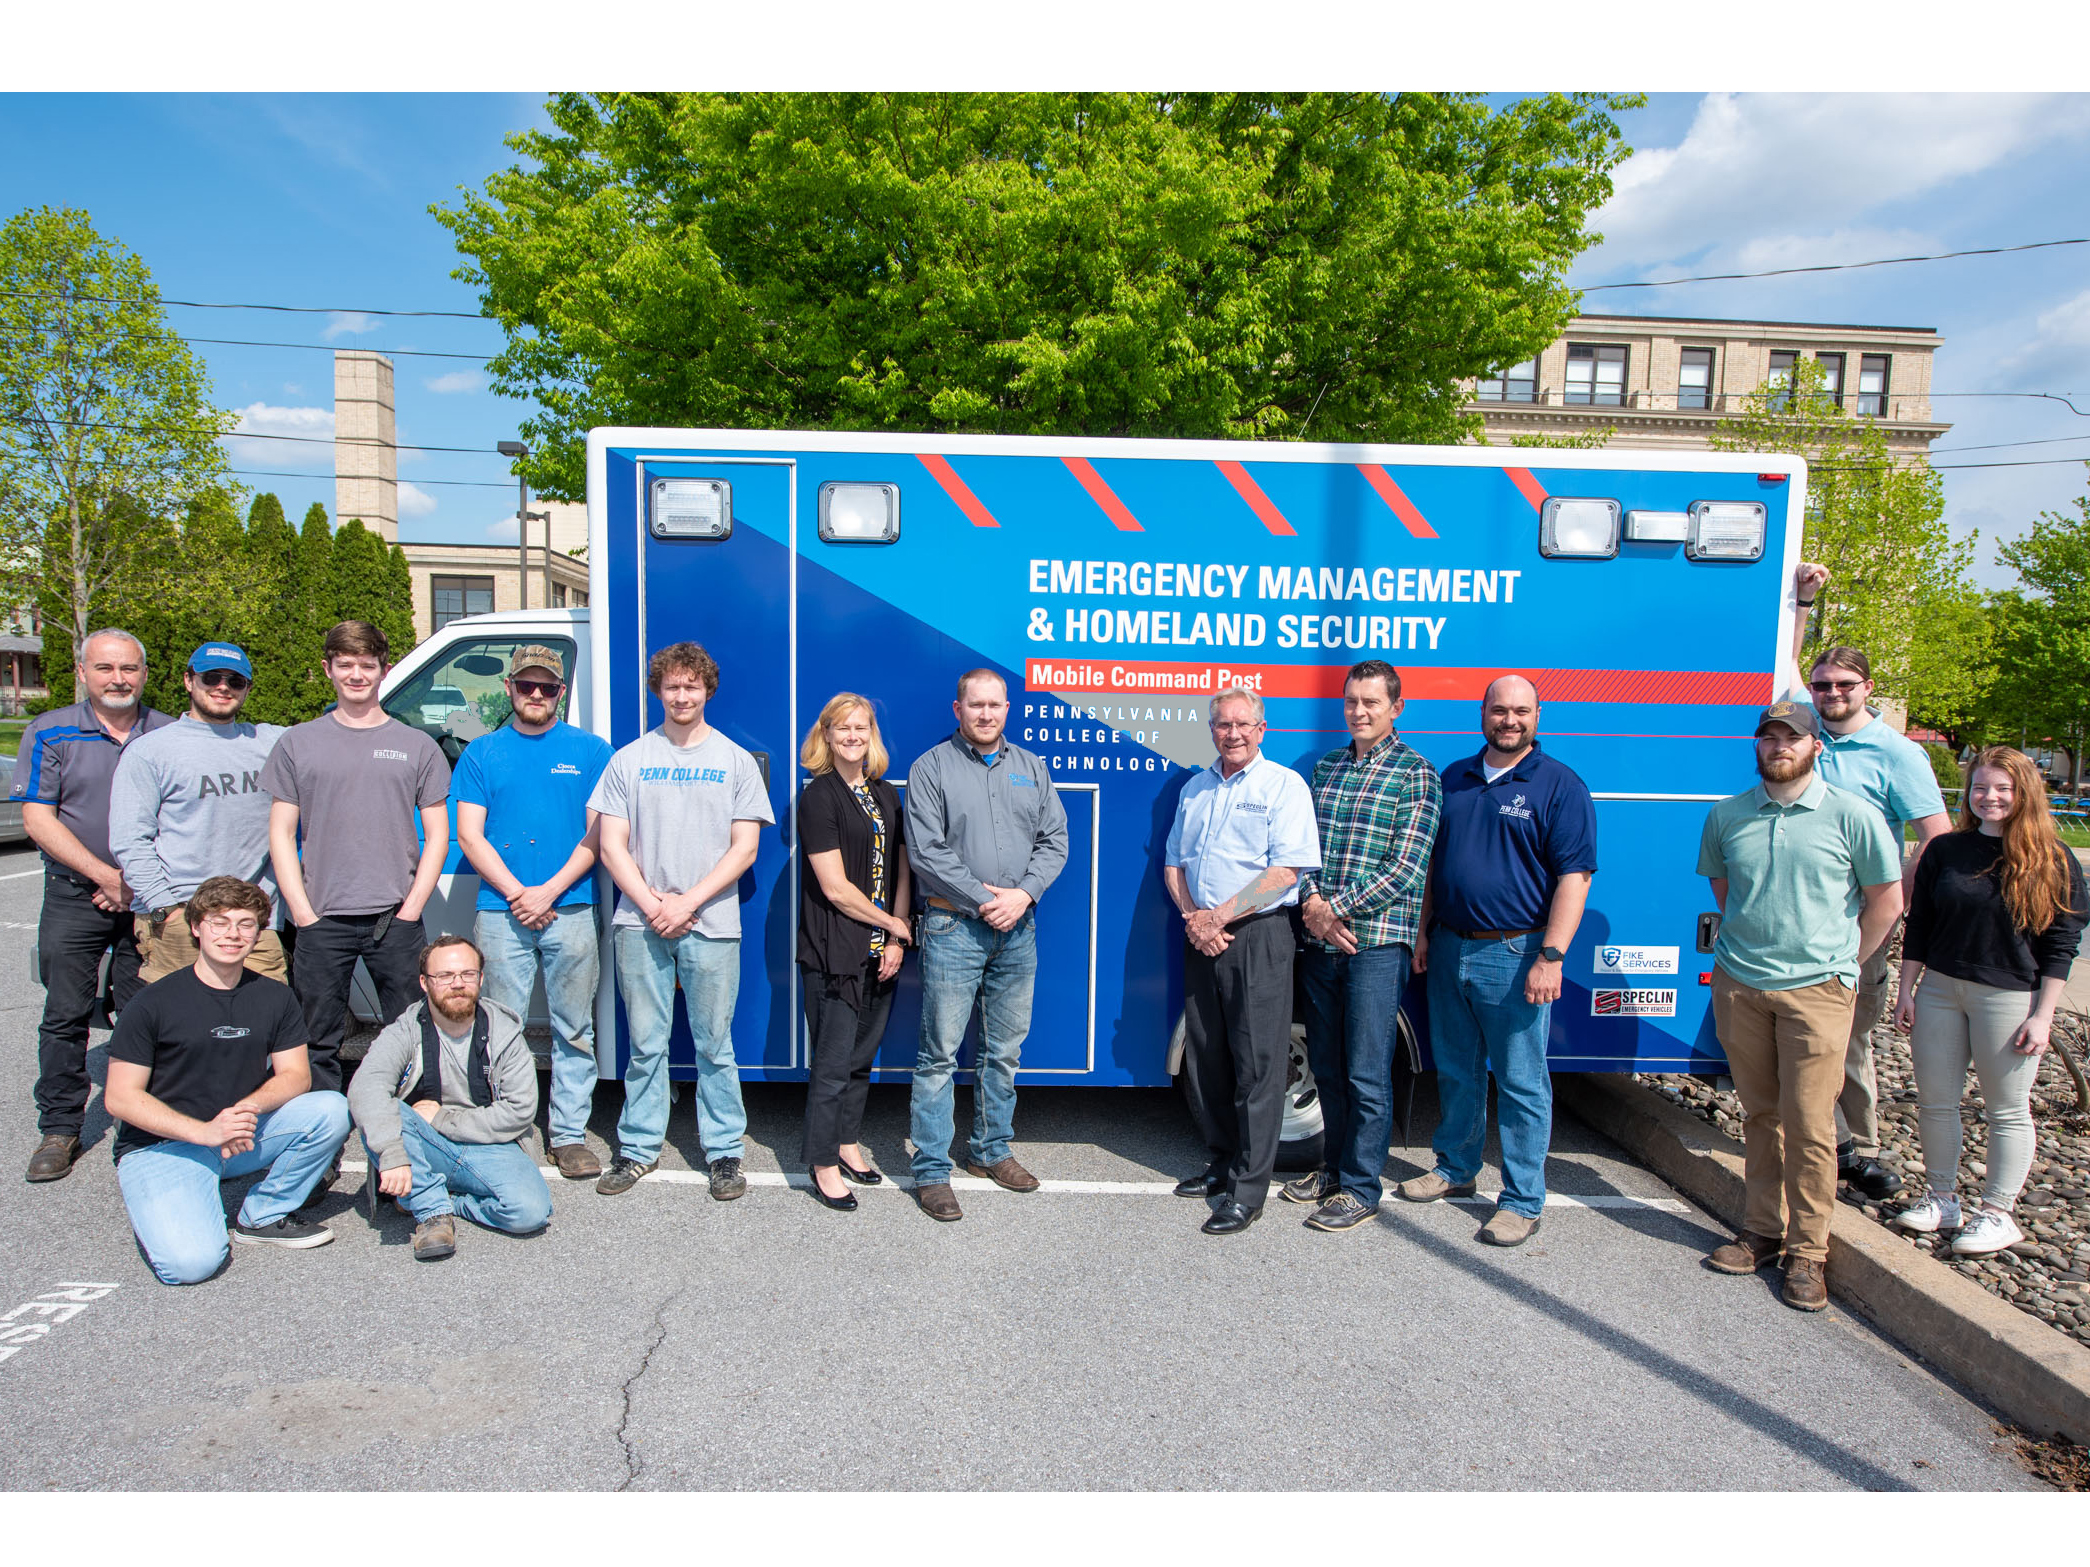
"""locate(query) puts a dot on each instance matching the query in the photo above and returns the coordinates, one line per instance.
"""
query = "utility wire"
(198, 304)
(323, 348)
(1997, 446)
(1838, 266)
(328, 478)
(250, 435)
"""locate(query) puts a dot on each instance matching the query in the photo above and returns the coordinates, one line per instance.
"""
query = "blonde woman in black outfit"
(852, 929)
(1997, 912)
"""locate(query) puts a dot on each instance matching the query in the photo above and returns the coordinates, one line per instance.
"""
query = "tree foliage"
(1274, 266)
(1899, 585)
(2042, 666)
(107, 431)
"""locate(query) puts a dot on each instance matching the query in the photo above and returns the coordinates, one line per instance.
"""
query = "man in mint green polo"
(1808, 881)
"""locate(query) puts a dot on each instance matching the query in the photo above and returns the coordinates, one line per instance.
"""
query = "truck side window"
(462, 693)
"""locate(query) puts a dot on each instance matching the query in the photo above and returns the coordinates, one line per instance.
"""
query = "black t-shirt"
(205, 1048)
(1960, 925)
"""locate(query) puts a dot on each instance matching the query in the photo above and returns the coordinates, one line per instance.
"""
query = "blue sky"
(322, 200)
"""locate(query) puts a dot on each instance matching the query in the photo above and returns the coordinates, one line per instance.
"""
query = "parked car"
(11, 829)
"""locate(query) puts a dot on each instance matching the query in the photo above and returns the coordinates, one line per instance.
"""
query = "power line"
(198, 304)
(1838, 266)
(320, 348)
(251, 435)
(283, 473)
(1997, 446)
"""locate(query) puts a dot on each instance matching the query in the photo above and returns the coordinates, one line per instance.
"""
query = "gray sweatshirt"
(187, 804)
(392, 1071)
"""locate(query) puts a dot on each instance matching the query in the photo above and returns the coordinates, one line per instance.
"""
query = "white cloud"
(2057, 356)
(1766, 169)
(307, 430)
(414, 501)
(348, 323)
(502, 532)
(457, 381)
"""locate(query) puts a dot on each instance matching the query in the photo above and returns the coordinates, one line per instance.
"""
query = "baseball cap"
(536, 656)
(1799, 716)
(220, 655)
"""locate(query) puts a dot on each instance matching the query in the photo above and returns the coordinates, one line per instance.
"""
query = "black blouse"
(831, 817)
(1960, 926)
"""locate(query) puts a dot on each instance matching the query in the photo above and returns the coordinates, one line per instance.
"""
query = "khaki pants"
(1785, 1051)
(167, 946)
(1858, 1105)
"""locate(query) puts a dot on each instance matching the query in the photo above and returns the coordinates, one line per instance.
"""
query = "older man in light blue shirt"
(1243, 832)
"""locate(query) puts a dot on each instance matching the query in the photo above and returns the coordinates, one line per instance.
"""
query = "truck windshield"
(461, 694)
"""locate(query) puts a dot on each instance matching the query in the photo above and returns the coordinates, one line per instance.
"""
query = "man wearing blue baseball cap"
(190, 806)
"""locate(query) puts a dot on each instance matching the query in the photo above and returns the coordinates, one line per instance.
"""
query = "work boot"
(1005, 1173)
(1868, 1175)
(939, 1202)
(1745, 1253)
(576, 1162)
(1806, 1284)
(435, 1239)
(53, 1159)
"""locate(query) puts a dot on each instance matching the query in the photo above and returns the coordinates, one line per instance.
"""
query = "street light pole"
(517, 450)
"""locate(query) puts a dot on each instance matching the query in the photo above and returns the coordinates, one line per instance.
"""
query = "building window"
(1517, 384)
(1780, 379)
(580, 599)
(558, 595)
(1596, 373)
(1872, 385)
(1694, 378)
(452, 598)
(1831, 375)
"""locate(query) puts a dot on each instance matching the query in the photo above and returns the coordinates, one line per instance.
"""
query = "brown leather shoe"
(1430, 1187)
(53, 1159)
(1745, 1253)
(575, 1162)
(939, 1202)
(1806, 1284)
(1005, 1173)
(435, 1239)
(1508, 1228)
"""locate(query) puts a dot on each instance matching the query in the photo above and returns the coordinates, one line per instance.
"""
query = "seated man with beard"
(442, 1100)
(1808, 881)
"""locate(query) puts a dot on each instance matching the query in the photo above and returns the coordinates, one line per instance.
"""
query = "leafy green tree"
(310, 598)
(399, 604)
(2043, 675)
(1326, 265)
(372, 582)
(1899, 585)
(272, 547)
(106, 428)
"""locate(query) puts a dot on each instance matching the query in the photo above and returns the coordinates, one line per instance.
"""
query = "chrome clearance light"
(1726, 530)
(1658, 527)
(859, 513)
(1584, 528)
(692, 509)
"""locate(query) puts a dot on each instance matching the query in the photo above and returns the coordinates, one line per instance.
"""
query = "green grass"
(2074, 837)
(11, 734)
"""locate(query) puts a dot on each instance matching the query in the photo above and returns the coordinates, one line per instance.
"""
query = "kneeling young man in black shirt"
(207, 1073)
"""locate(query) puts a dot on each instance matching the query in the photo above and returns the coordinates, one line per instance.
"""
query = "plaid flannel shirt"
(1378, 821)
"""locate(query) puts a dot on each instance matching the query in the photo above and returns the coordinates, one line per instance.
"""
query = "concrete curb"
(2038, 1377)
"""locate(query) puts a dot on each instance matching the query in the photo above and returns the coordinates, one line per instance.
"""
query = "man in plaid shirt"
(1376, 801)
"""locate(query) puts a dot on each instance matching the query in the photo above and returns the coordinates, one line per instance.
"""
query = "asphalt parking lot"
(1086, 1336)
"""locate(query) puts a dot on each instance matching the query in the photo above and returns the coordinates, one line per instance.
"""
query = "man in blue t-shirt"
(523, 821)
(1516, 848)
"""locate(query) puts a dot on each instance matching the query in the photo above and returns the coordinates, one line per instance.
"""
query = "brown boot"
(1745, 1253)
(1806, 1284)
(939, 1201)
(576, 1162)
(1005, 1173)
(53, 1159)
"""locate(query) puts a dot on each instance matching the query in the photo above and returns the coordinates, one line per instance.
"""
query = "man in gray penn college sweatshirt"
(189, 806)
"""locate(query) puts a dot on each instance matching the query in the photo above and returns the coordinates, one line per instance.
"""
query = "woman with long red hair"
(1997, 912)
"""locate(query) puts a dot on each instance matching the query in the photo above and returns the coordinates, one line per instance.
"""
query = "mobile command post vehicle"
(1117, 585)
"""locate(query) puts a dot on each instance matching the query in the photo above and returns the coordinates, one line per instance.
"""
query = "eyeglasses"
(538, 687)
(229, 925)
(464, 976)
(1227, 729)
(1837, 686)
(212, 679)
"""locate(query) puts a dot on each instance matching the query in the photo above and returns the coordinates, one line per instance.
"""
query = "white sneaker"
(1988, 1231)
(1935, 1211)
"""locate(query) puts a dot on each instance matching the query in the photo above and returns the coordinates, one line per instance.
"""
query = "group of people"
(189, 849)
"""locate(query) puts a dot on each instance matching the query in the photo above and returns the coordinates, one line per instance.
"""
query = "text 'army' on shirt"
(682, 775)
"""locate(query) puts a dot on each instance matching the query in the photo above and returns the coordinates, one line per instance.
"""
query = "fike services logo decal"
(1637, 960)
(1632, 1003)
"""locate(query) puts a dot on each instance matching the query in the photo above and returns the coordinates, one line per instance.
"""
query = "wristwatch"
(1552, 954)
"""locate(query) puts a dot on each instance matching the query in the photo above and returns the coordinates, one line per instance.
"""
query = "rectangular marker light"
(1658, 527)
(692, 509)
(1726, 530)
(1578, 528)
(859, 513)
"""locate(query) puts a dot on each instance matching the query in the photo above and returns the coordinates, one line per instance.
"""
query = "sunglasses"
(539, 687)
(1834, 685)
(213, 679)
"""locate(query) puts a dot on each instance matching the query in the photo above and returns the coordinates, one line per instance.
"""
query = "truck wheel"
(1300, 1143)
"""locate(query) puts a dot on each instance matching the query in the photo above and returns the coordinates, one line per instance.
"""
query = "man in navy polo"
(1516, 848)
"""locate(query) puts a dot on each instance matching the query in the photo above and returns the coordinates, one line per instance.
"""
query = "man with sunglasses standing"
(186, 805)
(523, 822)
(1865, 755)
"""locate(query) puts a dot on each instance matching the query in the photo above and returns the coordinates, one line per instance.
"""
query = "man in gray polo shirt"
(986, 835)
(62, 774)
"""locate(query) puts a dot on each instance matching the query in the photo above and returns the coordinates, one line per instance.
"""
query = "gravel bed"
(2047, 1274)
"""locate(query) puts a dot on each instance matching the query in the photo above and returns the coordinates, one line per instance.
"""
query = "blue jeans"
(1353, 1008)
(170, 1190)
(1480, 1021)
(496, 1185)
(647, 968)
(572, 967)
(963, 961)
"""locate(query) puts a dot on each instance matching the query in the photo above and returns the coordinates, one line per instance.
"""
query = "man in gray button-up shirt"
(986, 835)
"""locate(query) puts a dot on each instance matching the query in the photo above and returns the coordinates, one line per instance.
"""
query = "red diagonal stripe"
(953, 486)
(1102, 494)
(1258, 502)
(1389, 492)
(1533, 491)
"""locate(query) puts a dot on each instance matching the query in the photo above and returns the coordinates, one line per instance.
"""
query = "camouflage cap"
(534, 655)
(1800, 717)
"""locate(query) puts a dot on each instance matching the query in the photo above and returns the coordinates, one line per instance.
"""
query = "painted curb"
(2034, 1374)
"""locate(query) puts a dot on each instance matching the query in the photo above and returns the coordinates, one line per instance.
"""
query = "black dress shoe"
(1230, 1218)
(1208, 1183)
(860, 1177)
(1869, 1176)
(846, 1203)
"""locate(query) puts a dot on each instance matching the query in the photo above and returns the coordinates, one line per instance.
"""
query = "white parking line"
(972, 1183)
(18, 875)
